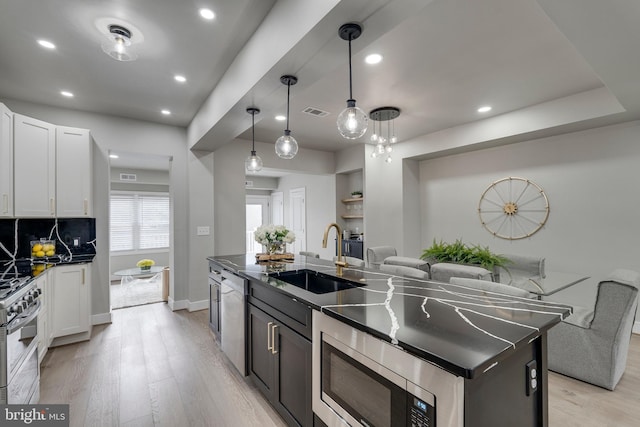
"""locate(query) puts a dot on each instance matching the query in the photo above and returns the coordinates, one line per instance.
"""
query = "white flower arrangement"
(272, 234)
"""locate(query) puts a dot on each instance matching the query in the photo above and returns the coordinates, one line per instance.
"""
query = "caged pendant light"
(253, 163)
(352, 121)
(286, 145)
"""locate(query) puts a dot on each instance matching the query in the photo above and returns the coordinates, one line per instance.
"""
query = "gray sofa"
(592, 344)
(444, 271)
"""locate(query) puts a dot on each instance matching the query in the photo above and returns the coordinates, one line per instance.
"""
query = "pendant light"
(286, 145)
(383, 144)
(118, 44)
(352, 121)
(253, 163)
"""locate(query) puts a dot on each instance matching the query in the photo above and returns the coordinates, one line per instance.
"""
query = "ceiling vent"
(315, 112)
(128, 177)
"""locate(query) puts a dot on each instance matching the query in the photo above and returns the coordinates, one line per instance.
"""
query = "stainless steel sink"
(312, 281)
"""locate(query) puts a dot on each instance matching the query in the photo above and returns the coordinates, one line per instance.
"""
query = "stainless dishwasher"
(233, 319)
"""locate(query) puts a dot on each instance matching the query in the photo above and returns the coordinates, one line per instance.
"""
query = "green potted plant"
(461, 253)
(356, 194)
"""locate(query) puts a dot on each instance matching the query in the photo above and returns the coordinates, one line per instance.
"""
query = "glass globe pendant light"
(118, 44)
(286, 145)
(253, 163)
(352, 121)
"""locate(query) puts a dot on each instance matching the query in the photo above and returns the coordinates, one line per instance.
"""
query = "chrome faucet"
(339, 262)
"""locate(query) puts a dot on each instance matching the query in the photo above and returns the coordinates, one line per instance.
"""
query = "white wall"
(115, 133)
(321, 208)
(591, 179)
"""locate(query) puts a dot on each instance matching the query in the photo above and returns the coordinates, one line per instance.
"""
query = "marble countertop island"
(461, 329)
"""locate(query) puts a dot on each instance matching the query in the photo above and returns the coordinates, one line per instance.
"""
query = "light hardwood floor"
(155, 367)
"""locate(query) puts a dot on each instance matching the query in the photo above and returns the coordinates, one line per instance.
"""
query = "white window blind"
(139, 221)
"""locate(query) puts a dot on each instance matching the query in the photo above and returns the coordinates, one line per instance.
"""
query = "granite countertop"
(24, 267)
(463, 330)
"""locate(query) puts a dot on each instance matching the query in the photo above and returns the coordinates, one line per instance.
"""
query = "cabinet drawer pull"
(5, 203)
(269, 345)
(274, 347)
(85, 205)
(83, 270)
(51, 207)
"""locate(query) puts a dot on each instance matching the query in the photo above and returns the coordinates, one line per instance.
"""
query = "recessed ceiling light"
(374, 58)
(66, 93)
(47, 44)
(207, 14)
(114, 156)
(180, 78)
(281, 118)
(165, 112)
(484, 109)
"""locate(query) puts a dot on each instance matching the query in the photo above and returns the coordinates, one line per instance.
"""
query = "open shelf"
(352, 216)
(356, 199)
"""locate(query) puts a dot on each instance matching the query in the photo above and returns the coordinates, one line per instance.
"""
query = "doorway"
(298, 215)
(139, 226)
(257, 214)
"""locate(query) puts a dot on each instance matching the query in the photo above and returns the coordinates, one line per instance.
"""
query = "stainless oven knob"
(16, 308)
(36, 292)
(29, 299)
(24, 304)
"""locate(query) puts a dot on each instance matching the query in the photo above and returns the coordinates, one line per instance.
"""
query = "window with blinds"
(139, 221)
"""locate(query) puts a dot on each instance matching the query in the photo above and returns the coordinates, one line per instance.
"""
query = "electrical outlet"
(202, 230)
(76, 241)
(532, 377)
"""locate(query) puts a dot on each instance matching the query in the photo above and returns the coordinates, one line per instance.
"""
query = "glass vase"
(274, 248)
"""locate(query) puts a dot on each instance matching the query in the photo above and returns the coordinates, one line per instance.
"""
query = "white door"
(277, 207)
(298, 219)
(257, 215)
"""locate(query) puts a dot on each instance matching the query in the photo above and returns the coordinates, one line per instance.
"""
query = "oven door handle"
(23, 319)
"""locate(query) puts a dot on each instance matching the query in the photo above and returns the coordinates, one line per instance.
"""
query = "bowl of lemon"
(43, 248)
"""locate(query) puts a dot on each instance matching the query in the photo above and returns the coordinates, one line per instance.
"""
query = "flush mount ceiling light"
(46, 44)
(253, 163)
(118, 44)
(286, 145)
(352, 121)
(383, 143)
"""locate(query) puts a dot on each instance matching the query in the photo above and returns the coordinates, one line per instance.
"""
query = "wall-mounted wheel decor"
(513, 208)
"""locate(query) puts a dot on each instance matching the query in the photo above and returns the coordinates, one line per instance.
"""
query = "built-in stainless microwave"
(359, 379)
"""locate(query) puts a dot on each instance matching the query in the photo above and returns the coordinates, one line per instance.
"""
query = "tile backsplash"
(66, 232)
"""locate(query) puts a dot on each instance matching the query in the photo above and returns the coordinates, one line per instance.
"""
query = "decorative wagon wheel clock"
(513, 208)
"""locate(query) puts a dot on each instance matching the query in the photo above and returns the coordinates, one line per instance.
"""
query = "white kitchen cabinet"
(44, 329)
(73, 173)
(70, 302)
(6, 162)
(34, 167)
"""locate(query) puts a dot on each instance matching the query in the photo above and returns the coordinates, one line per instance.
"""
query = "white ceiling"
(442, 60)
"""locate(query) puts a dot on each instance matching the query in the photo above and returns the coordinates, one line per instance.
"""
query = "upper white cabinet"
(34, 167)
(73, 173)
(6, 162)
(52, 170)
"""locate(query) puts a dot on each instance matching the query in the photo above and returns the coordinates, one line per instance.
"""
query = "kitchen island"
(492, 343)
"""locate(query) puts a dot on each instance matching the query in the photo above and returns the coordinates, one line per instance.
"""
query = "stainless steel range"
(19, 308)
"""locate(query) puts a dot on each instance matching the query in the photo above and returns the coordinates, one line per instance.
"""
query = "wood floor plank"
(155, 367)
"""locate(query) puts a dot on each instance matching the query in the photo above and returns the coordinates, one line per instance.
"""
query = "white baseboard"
(101, 319)
(199, 305)
(636, 327)
(178, 305)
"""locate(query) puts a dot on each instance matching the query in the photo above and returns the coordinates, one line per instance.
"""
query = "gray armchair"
(492, 287)
(403, 270)
(524, 272)
(592, 344)
(377, 254)
(310, 254)
(444, 271)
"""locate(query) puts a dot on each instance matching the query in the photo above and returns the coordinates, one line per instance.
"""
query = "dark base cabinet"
(280, 364)
(353, 248)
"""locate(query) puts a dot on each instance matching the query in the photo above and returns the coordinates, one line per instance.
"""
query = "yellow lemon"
(38, 267)
(48, 247)
(40, 254)
(37, 247)
(50, 253)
